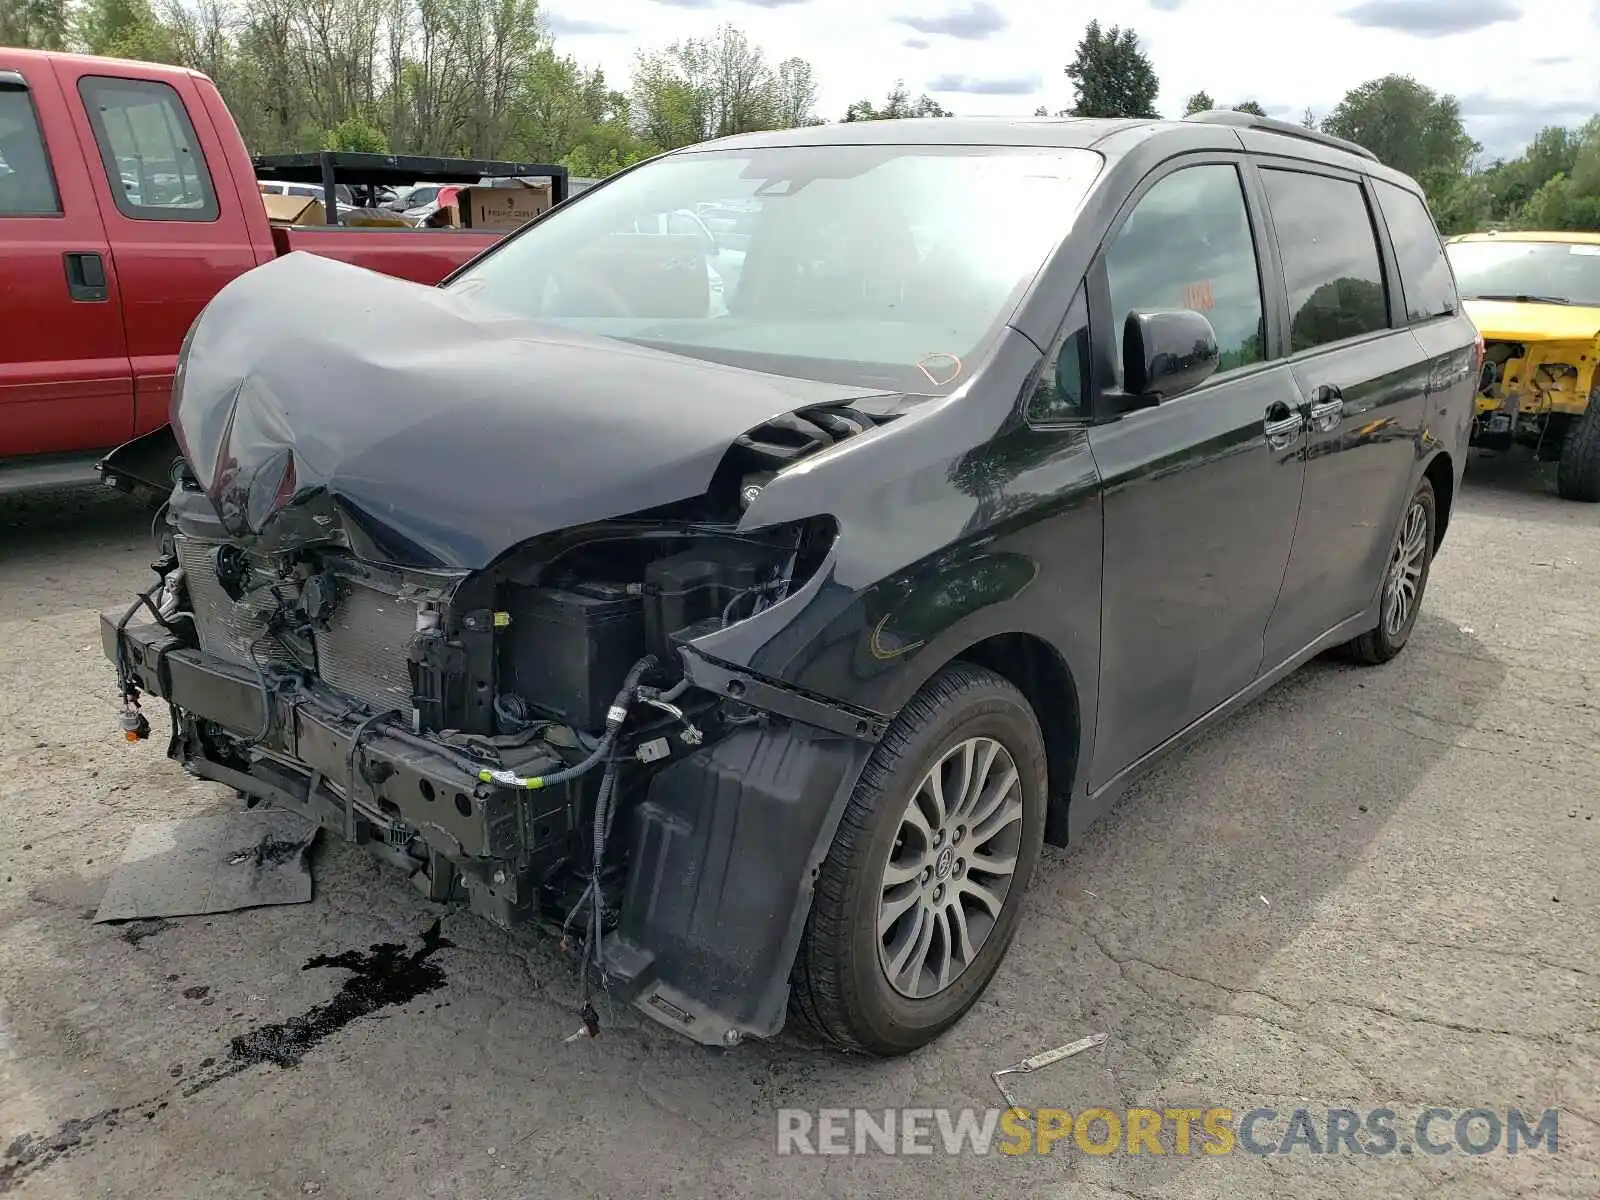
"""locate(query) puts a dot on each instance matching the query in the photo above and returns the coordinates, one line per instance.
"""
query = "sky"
(1005, 57)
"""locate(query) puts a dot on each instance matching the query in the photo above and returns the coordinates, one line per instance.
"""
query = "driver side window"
(1188, 244)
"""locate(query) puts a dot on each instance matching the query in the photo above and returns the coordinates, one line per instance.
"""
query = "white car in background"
(311, 191)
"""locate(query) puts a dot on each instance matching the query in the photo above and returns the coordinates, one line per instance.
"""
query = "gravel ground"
(1375, 888)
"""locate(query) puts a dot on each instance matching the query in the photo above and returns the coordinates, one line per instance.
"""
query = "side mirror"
(1166, 352)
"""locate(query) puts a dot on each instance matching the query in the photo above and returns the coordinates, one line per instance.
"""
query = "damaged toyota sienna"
(746, 602)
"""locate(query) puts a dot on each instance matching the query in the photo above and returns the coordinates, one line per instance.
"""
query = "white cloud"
(1286, 56)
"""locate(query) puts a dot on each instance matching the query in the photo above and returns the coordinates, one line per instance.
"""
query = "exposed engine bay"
(1528, 393)
(534, 702)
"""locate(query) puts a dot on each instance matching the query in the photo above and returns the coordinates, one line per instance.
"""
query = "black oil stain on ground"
(380, 977)
(270, 853)
(135, 932)
(30, 1152)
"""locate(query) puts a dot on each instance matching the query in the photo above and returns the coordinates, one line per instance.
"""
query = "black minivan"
(751, 612)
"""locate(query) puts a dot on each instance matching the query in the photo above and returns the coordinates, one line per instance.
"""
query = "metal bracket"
(782, 701)
(1042, 1060)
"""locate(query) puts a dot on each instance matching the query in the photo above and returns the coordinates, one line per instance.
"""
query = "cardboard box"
(504, 207)
(293, 210)
(376, 218)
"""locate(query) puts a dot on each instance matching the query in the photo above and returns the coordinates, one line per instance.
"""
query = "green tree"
(897, 105)
(716, 86)
(1408, 126)
(1462, 205)
(1250, 106)
(1511, 185)
(1199, 102)
(123, 29)
(35, 24)
(1569, 200)
(355, 135)
(1111, 76)
(796, 94)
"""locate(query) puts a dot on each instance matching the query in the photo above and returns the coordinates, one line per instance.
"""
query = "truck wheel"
(920, 893)
(1578, 472)
(1403, 582)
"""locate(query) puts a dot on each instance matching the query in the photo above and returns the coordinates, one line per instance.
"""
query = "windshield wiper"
(1521, 298)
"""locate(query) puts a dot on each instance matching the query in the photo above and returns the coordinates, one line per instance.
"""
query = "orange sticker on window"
(1198, 296)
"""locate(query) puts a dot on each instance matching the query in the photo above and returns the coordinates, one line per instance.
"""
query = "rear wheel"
(919, 896)
(1403, 583)
(1578, 472)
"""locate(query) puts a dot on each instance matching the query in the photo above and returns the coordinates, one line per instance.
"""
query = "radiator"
(363, 650)
(227, 629)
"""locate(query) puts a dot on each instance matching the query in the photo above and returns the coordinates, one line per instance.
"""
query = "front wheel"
(1578, 471)
(1403, 583)
(919, 896)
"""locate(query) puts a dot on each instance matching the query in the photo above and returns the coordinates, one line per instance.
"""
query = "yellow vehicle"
(1535, 298)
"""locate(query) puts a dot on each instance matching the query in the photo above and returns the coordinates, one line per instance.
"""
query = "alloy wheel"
(950, 868)
(1405, 570)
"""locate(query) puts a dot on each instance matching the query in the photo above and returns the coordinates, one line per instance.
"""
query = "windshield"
(1563, 272)
(883, 266)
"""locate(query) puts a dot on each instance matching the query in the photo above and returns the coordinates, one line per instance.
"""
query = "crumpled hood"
(313, 394)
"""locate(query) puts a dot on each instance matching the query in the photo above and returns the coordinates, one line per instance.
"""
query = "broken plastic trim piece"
(1038, 1062)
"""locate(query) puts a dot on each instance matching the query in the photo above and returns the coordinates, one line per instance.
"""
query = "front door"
(65, 382)
(161, 172)
(1201, 493)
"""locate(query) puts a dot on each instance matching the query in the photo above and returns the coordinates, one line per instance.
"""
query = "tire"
(1413, 545)
(1578, 472)
(841, 987)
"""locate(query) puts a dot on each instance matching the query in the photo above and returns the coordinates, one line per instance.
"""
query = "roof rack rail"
(1244, 120)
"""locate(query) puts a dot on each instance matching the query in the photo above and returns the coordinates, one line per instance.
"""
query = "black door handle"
(86, 277)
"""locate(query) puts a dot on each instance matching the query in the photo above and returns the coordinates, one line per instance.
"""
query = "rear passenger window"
(149, 150)
(1188, 245)
(27, 188)
(1330, 258)
(1425, 278)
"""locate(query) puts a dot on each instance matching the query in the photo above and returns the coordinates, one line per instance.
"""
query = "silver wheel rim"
(1404, 583)
(950, 868)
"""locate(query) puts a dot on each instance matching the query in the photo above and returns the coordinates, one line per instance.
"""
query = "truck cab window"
(1188, 245)
(27, 188)
(149, 150)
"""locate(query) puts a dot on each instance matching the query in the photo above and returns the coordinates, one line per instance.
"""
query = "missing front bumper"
(723, 843)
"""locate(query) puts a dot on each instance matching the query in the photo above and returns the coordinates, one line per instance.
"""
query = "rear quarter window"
(149, 150)
(1425, 276)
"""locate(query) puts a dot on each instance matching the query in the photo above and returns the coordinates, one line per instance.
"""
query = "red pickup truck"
(127, 200)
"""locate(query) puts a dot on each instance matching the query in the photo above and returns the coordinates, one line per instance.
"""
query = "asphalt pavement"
(1374, 889)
